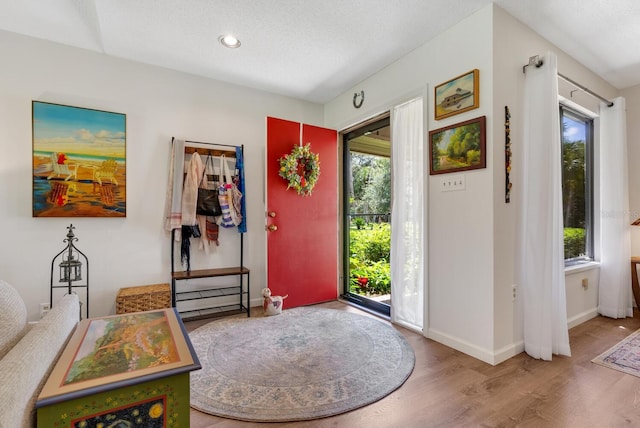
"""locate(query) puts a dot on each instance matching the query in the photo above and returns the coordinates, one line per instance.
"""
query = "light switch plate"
(452, 182)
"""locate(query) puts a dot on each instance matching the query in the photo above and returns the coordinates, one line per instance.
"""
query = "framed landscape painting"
(79, 162)
(459, 147)
(457, 95)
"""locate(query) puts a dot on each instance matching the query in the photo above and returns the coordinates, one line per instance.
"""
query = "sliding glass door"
(367, 215)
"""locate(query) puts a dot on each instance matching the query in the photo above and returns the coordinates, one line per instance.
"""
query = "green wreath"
(301, 168)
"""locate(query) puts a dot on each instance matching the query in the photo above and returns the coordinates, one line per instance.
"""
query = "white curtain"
(540, 249)
(615, 298)
(407, 215)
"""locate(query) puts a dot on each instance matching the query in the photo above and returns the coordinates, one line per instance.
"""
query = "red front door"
(302, 250)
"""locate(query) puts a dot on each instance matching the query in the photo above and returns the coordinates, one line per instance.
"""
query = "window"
(577, 185)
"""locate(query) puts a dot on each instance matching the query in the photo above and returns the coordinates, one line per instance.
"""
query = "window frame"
(381, 121)
(579, 114)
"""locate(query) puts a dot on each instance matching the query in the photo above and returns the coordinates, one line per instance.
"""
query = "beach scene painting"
(79, 162)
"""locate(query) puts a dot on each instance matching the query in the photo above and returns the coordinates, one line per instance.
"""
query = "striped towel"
(173, 202)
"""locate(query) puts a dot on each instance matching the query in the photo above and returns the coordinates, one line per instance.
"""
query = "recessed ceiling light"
(229, 41)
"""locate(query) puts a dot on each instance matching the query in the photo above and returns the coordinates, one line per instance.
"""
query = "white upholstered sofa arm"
(24, 370)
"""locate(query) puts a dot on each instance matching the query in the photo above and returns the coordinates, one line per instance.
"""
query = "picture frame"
(458, 147)
(79, 161)
(122, 370)
(81, 372)
(455, 96)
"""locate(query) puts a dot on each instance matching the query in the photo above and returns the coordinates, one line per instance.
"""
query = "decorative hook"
(355, 99)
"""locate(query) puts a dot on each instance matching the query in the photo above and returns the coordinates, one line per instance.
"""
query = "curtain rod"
(535, 60)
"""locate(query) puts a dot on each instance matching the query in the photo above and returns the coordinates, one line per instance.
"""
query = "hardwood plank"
(448, 388)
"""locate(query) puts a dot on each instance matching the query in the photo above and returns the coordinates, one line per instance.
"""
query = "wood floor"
(450, 389)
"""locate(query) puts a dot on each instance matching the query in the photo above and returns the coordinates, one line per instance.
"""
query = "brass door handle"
(272, 227)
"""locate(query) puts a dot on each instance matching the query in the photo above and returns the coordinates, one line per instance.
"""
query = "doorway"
(366, 190)
(302, 232)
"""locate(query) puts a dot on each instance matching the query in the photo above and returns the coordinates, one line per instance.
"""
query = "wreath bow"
(301, 168)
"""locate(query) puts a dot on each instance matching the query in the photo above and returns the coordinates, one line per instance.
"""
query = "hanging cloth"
(188, 232)
(230, 198)
(207, 225)
(173, 202)
(242, 227)
(190, 226)
(540, 249)
(408, 278)
(614, 293)
(190, 190)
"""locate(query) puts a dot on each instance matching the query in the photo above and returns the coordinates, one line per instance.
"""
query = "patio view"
(369, 227)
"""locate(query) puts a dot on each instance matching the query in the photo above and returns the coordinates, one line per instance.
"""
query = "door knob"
(272, 214)
(272, 227)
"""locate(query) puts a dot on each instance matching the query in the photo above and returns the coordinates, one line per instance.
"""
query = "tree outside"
(574, 188)
(370, 230)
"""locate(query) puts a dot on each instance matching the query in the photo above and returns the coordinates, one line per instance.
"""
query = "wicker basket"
(143, 298)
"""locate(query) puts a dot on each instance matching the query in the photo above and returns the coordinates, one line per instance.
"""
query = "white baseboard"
(507, 352)
(475, 351)
(503, 354)
(582, 317)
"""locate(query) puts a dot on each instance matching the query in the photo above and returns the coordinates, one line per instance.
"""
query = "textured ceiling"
(315, 49)
(603, 35)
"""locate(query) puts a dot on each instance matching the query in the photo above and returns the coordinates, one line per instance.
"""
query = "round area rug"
(306, 363)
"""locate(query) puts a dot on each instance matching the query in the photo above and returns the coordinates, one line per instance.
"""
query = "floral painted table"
(123, 370)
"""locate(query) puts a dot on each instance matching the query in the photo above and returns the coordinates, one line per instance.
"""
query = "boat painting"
(457, 95)
(79, 162)
(455, 100)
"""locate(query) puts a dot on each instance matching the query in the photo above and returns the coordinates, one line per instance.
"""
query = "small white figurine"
(272, 305)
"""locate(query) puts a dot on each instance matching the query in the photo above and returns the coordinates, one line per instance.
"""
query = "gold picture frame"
(457, 95)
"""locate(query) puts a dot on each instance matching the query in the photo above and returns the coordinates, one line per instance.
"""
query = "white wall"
(460, 270)
(632, 96)
(514, 43)
(159, 104)
(471, 266)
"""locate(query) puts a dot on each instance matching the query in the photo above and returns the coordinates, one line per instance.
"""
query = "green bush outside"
(574, 242)
(369, 267)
